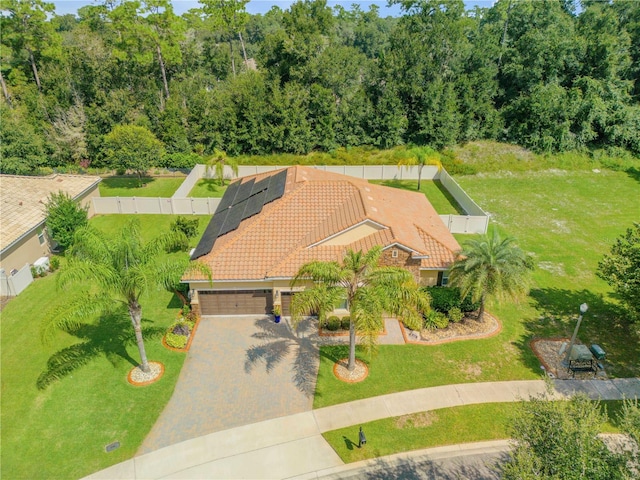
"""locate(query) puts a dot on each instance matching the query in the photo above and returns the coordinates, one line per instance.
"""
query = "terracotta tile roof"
(317, 205)
(22, 200)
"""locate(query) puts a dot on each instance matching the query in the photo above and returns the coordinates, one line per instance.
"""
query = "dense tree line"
(550, 75)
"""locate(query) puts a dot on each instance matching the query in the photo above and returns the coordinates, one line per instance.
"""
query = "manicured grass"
(447, 426)
(568, 220)
(208, 187)
(130, 186)
(61, 431)
(438, 196)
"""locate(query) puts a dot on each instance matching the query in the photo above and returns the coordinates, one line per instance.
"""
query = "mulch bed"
(467, 329)
(358, 374)
(188, 345)
(139, 378)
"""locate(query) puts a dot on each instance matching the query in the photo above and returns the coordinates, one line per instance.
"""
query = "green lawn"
(446, 426)
(208, 187)
(568, 220)
(61, 431)
(130, 186)
(438, 196)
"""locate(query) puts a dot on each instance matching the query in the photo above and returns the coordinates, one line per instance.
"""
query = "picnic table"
(582, 360)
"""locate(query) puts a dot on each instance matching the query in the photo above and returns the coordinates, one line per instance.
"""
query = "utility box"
(597, 351)
(41, 265)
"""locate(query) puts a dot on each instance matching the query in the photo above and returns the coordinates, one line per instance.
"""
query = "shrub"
(435, 320)
(455, 315)
(175, 341)
(64, 216)
(345, 322)
(443, 299)
(333, 323)
(178, 334)
(183, 161)
(54, 263)
(186, 226)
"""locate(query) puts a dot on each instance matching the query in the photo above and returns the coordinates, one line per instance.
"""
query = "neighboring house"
(23, 238)
(269, 225)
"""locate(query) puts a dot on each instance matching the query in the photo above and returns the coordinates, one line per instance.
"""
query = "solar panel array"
(240, 201)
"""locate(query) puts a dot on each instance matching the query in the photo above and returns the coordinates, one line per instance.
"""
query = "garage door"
(285, 298)
(236, 302)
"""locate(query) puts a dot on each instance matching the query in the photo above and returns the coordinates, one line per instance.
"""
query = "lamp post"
(583, 309)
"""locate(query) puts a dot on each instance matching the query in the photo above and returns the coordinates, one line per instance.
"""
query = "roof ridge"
(424, 232)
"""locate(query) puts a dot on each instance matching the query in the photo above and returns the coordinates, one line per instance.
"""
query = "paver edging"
(460, 338)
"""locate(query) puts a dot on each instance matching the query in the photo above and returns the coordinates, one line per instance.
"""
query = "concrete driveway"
(239, 370)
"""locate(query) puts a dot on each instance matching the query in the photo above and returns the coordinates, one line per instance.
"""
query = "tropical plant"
(419, 156)
(491, 266)
(217, 162)
(370, 291)
(120, 270)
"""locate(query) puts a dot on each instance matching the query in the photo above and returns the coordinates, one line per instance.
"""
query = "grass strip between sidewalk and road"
(436, 428)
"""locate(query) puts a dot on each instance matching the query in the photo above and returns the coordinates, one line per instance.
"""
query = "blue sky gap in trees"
(263, 6)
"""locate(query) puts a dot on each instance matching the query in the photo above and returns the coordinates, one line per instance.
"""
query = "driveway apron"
(239, 370)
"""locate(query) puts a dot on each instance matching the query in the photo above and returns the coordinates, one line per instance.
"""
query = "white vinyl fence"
(475, 220)
(12, 285)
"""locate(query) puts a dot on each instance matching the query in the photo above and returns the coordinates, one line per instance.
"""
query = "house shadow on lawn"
(109, 336)
(605, 324)
(277, 342)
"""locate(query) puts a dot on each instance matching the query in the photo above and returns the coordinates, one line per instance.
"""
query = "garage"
(236, 302)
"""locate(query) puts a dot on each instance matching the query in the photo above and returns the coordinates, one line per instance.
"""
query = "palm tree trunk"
(164, 71)
(352, 345)
(135, 312)
(481, 311)
(420, 174)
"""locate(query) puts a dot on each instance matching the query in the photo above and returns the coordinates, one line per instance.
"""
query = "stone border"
(188, 345)
(344, 361)
(479, 336)
(148, 382)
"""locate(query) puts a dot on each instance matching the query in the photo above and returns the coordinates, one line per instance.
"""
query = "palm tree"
(419, 156)
(369, 290)
(491, 267)
(121, 269)
(217, 162)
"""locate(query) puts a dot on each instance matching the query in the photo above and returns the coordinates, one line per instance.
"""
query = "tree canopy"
(621, 269)
(544, 75)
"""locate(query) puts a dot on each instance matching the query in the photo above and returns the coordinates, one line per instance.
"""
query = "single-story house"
(23, 237)
(268, 225)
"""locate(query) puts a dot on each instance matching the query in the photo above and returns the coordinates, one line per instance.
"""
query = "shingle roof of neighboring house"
(23, 200)
(319, 206)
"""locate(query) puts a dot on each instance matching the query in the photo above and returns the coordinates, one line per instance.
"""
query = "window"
(445, 279)
(41, 238)
(394, 253)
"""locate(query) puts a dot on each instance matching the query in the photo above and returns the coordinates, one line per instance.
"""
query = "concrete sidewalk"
(293, 446)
